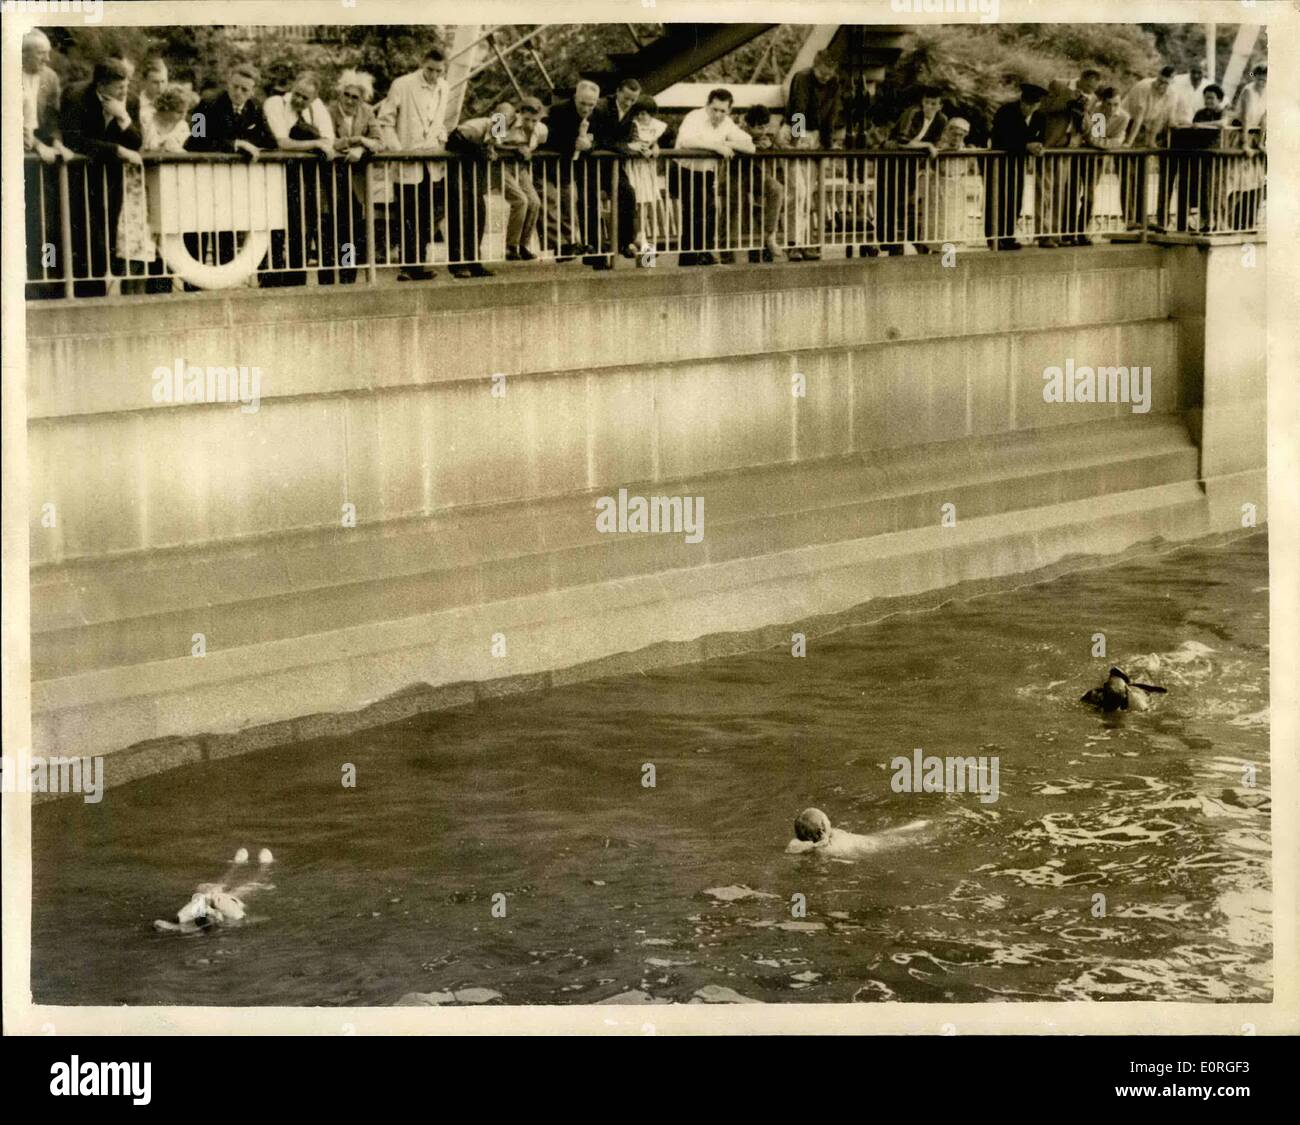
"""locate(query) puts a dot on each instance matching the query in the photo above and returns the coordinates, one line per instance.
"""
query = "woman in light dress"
(165, 130)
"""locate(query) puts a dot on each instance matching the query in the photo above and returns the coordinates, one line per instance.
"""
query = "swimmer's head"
(227, 905)
(812, 825)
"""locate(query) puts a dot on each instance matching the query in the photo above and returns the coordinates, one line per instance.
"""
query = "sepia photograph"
(643, 517)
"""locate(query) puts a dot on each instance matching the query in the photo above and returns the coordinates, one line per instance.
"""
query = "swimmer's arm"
(794, 847)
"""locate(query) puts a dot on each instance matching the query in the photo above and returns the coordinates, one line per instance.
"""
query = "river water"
(683, 890)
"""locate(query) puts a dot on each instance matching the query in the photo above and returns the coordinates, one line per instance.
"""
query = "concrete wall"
(923, 387)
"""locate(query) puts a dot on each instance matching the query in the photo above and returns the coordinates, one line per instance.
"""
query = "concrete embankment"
(394, 513)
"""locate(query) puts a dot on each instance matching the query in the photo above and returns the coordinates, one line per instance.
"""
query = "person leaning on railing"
(1017, 131)
(357, 137)
(97, 122)
(573, 194)
(230, 121)
(919, 128)
(1059, 185)
(300, 122)
(711, 128)
(758, 195)
(165, 130)
(1105, 127)
(523, 136)
(42, 97)
(467, 185)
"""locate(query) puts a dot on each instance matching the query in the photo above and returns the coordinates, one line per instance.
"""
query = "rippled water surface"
(612, 887)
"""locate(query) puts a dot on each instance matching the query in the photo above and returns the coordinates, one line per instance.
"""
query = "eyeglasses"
(350, 97)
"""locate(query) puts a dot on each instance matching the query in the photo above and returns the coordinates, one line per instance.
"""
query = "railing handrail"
(274, 155)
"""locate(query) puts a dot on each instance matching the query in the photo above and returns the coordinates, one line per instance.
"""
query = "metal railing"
(193, 221)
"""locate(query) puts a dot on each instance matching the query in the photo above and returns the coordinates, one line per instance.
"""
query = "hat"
(1031, 93)
(535, 104)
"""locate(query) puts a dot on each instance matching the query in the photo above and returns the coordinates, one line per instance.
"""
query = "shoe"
(512, 254)
(768, 254)
(891, 247)
(1008, 244)
(475, 269)
(727, 257)
(526, 255)
(706, 260)
(1049, 244)
(570, 250)
(922, 248)
(687, 259)
(812, 255)
(1083, 240)
(414, 275)
(630, 250)
(794, 254)
(598, 262)
(755, 256)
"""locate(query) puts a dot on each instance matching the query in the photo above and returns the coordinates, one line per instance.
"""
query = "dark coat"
(911, 120)
(222, 126)
(1012, 133)
(84, 130)
(563, 124)
(611, 131)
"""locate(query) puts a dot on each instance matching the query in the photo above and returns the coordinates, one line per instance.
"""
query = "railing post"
(616, 170)
(368, 219)
(65, 228)
(1143, 172)
(821, 204)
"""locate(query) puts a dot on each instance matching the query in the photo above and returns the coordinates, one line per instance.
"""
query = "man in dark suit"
(96, 122)
(572, 180)
(1063, 111)
(1018, 131)
(919, 128)
(611, 122)
(231, 121)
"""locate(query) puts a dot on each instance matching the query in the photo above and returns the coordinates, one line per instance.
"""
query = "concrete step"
(93, 617)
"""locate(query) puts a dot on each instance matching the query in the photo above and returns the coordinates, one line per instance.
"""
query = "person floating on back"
(1119, 693)
(813, 832)
(212, 905)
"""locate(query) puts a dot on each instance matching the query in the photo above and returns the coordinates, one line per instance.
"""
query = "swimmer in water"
(813, 832)
(212, 905)
(1119, 693)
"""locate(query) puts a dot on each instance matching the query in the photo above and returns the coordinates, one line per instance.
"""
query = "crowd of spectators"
(343, 207)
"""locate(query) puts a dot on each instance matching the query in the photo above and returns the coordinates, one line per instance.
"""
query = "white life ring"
(227, 275)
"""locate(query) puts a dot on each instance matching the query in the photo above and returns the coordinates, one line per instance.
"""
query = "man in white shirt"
(1151, 106)
(1189, 94)
(1251, 106)
(712, 129)
(42, 96)
(413, 118)
(300, 122)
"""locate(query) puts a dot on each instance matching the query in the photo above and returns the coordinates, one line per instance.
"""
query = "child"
(813, 832)
(758, 192)
(643, 175)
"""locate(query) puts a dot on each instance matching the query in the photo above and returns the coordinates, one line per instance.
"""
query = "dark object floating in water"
(1119, 693)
